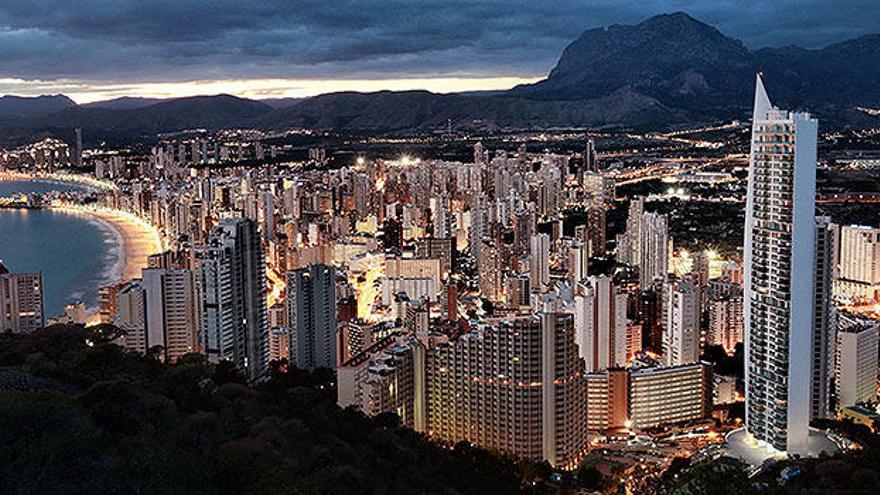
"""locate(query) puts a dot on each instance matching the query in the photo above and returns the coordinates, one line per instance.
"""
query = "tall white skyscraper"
(231, 288)
(681, 338)
(578, 261)
(780, 252)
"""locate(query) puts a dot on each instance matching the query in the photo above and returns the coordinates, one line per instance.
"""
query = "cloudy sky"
(97, 49)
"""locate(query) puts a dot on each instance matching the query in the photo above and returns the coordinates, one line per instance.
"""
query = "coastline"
(134, 238)
(127, 239)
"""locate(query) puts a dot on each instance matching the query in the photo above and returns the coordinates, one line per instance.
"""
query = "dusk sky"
(98, 49)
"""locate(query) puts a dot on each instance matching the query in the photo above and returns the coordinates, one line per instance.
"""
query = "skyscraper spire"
(762, 101)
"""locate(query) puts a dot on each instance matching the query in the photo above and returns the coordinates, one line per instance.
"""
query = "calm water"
(75, 253)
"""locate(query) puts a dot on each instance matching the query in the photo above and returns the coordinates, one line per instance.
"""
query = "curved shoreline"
(134, 239)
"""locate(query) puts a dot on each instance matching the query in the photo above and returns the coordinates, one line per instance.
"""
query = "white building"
(21, 301)
(170, 317)
(779, 284)
(726, 322)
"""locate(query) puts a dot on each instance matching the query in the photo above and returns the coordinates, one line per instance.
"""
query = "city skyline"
(633, 275)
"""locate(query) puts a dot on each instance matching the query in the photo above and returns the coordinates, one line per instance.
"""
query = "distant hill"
(280, 102)
(123, 103)
(208, 112)
(23, 106)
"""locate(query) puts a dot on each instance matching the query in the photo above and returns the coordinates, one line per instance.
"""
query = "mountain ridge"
(667, 69)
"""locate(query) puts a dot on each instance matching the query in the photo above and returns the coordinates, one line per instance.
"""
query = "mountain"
(670, 68)
(672, 57)
(123, 103)
(15, 107)
(688, 65)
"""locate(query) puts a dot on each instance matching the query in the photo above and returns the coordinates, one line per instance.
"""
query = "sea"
(75, 253)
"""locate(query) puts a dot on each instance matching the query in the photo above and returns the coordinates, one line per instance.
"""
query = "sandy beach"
(138, 240)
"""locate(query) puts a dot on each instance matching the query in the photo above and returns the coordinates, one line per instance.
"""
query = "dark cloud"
(155, 40)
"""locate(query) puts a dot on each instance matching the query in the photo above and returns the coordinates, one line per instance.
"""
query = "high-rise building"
(311, 315)
(779, 280)
(515, 385)
(822, 348)
(78, 149)
(531, 405)
(600, 323)
(490, 265)
(726, 322)
(170, 312)
(856, 361)
(129, 316)
(591, 164)
(107, 301)
(859, 274)
(21, 301)
(653, 261)
(539, 261)
(629, 244)
(650, 309)
(578, 261)
(681, 342)
(231, 291)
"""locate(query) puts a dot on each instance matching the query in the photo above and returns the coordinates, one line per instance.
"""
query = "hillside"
(90, 418)
(16, 107)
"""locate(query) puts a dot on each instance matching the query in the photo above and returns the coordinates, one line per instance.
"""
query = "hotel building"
(515, 385)
(647, 397)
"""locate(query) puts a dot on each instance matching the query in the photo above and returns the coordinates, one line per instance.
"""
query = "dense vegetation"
(80, 415)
